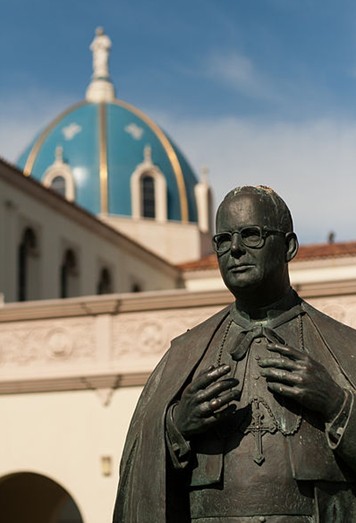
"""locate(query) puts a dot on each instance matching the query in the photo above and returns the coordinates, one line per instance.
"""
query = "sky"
(257, 91)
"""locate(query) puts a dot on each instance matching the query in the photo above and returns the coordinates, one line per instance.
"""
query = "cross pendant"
(257, 431)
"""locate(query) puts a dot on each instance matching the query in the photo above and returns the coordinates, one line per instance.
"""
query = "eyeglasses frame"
(264, 232)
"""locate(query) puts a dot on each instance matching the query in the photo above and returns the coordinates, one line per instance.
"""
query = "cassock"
(271, 461)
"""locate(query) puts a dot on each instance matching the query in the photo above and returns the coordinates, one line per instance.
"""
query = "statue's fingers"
(283, 389)
(215, 390)
(205, 410)
(279, 363)
(220, 415)
(225, 412)
(209, 376)
(281, 376)
(287, 352)
(223, 399)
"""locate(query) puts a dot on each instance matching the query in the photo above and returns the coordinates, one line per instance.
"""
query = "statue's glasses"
(252, 237)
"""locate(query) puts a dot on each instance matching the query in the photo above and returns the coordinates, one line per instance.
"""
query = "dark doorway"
(31, 498)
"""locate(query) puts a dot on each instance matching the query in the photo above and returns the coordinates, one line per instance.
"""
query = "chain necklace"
(257, 426)
(221, 348)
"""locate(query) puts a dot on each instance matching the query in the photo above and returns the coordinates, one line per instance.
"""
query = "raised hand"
(297, 376)
(205, 401)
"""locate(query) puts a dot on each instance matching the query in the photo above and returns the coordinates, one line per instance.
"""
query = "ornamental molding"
(148, 335)
(112, 342)
(26, 344)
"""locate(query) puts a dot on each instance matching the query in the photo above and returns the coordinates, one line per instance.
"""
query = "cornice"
(148, 301)
(65, 383)
(112, 304)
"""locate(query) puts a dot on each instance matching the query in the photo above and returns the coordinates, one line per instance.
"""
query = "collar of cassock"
(275, 315)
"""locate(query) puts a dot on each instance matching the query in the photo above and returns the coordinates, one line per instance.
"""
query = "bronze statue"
(250, 416)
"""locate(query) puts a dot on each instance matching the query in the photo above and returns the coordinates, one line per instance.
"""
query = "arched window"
(105, 283)
(148, 202)
(136, 287)
(148, 190)
(59, 177)
(69, 275)
(58, 184)
(27, 267)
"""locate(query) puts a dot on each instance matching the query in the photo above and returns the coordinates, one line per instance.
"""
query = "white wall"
(64, 436)
(57, 231)
(176, 242)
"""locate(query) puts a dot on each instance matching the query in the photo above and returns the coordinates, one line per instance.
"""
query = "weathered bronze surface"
(250, 416)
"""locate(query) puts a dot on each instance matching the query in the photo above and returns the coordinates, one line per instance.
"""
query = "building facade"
(51, 248)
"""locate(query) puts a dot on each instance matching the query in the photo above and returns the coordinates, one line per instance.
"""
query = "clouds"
(312, 164)
(235, 70)
(239, 73)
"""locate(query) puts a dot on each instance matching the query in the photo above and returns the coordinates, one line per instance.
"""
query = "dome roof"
(102, 141)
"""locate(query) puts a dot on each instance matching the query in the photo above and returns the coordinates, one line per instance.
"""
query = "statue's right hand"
(205, 401)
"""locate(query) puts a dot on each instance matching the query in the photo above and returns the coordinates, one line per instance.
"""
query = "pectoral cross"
(258, 428)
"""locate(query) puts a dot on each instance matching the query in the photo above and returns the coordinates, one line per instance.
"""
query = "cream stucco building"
(71, 373)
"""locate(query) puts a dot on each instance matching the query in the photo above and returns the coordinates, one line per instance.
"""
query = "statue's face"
(247, 268)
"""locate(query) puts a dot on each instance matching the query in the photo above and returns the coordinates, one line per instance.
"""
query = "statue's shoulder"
(339, 338)
(328, 323)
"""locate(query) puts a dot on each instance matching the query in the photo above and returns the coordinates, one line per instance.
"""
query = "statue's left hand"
(297, 376)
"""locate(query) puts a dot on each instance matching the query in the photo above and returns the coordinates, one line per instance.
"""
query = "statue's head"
(254, 242)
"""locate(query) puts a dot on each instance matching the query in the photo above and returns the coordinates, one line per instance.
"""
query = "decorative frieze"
(149, 334)
(102, 347)
(45, 342)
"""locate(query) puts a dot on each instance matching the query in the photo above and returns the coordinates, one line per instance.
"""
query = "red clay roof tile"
(306, 252)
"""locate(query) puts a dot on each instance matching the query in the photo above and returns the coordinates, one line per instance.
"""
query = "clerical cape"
(145, 471)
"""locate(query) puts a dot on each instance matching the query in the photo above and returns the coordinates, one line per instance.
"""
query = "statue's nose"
(236, 243)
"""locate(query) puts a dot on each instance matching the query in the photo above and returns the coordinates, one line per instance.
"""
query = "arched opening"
(27, 287)
(148, 202)
(105, 282)
(59, 177)
(58, 184)
(26, 497)
(148, 190)
(69, 275)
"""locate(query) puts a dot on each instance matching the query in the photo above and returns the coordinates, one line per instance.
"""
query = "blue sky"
(260, 91)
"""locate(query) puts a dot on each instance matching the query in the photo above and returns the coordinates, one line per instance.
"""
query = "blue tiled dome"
(103, 143)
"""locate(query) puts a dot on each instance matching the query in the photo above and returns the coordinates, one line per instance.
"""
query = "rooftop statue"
(250, 416)
(100, 47)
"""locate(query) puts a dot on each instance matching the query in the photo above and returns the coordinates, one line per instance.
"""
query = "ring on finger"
(214, 404)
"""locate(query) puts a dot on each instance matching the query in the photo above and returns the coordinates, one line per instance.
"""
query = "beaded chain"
(278, 425)
(221, 348)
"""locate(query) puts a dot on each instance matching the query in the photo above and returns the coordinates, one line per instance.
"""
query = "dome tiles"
(103, 144)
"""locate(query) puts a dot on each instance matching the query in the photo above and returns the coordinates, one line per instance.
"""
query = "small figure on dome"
(100, 47)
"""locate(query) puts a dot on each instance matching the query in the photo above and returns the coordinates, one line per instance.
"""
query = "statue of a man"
(250, 416)
(100, 47)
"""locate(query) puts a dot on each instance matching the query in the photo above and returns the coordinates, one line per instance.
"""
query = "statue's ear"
(292, 246)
